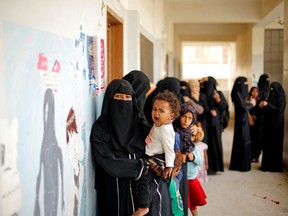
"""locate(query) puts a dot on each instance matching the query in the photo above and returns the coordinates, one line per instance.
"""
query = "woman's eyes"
(119, 96)
(128, 97)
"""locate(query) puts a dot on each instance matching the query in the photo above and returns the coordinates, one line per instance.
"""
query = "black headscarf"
(240, 87)
(141, 85)
(185, 89)
(264, 86)
(208, 88)
(120, 116)
(276, 93)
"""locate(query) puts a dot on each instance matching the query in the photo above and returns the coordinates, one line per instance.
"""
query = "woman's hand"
(263, 104)
(213, 113)
(186, 99)
(167, 172)
(216, 96)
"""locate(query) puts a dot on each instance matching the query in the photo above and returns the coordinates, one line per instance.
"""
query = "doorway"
(146, 56)
(216, 59)
(114, 46)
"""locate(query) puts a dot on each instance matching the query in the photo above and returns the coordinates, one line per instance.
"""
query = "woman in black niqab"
(241, 148)
(214, 119)
(273, 129)
(117, 142)
(141, 85)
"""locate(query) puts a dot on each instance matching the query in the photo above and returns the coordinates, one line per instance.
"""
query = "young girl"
(159, 148)
(196, 194)
(202, 147)
(255, 122)
(183, 125)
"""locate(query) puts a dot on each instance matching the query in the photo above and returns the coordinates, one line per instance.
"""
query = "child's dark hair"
(172, 99)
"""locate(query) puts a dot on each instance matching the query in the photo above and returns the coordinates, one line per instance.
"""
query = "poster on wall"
(99, 66)
(102, 64)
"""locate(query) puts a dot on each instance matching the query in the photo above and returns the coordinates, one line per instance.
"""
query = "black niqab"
(264, 86)
(185, 89)
(273, 129)
(141, 85)
(240, 86)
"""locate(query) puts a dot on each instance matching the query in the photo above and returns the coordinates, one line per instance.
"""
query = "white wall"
(37, 36)
(257, 54)
(144, 17)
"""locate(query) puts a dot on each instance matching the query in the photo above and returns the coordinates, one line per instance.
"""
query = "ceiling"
(221, 20)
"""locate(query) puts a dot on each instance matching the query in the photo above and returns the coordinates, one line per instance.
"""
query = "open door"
(114, 46)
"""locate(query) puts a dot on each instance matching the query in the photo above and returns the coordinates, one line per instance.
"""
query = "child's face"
(162, 113)
(186, 120)
(198, 137)
(255, 93)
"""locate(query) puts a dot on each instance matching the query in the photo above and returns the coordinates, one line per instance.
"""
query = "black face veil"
(121, 116)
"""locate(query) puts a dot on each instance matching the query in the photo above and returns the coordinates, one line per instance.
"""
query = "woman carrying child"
(159, 149)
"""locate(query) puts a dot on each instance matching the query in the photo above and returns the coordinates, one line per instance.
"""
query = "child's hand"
(190, 156)
(167, 172)
(184, 158)
(193, 129)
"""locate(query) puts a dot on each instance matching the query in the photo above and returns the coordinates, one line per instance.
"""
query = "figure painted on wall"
(10, 177)
(50, 163)
(76, 153)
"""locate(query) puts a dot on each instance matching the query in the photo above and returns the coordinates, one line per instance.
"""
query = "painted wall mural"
(51, 162)
(49, 112)
(10, 176)
(76, 153)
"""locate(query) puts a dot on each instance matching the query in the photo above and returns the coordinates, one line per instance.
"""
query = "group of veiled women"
(259, 124)
(118, 139)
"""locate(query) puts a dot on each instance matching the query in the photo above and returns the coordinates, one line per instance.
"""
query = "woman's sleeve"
(198, 107)
(104, 156)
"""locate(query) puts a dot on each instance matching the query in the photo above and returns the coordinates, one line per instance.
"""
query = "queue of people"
(259, 124)
(152, 149)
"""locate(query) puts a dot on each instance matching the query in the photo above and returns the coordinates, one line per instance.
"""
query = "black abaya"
(214, 126)
(241, 148)
(273, 129)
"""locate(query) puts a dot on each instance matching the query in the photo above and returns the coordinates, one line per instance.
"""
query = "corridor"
(253, 193)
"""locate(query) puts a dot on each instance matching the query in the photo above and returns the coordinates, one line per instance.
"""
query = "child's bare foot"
(141, 212)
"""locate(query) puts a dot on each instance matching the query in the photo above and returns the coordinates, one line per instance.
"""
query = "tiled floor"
(253, 193)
